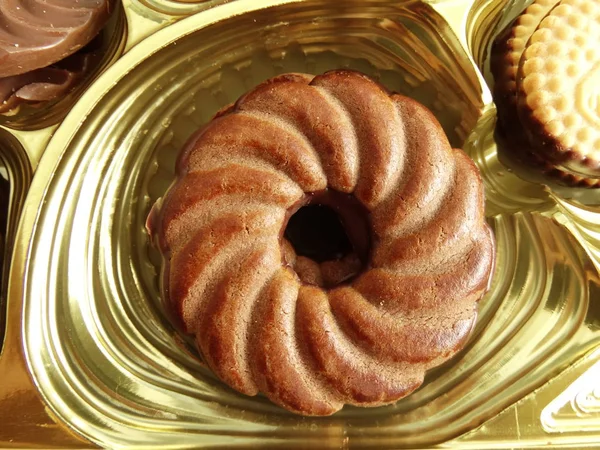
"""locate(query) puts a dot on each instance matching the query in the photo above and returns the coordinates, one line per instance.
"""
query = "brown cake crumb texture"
(546, 67)
(261, 317)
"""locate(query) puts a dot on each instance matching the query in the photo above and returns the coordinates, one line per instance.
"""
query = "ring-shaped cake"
(231, 278)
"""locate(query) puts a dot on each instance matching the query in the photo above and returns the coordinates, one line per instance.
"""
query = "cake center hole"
(327, 238)
(316, 231)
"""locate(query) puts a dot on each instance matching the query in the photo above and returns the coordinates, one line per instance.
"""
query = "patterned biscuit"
(545, 65)
(506, 56)
(558, 96)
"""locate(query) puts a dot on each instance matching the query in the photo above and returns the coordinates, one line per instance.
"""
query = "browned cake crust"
(261, 317)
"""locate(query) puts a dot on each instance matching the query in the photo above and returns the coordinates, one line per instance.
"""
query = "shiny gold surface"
(24, 420)
(15, 171)
(180, 7)
(108, 364)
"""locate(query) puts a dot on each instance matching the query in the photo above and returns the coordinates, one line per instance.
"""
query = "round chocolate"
(37, 33)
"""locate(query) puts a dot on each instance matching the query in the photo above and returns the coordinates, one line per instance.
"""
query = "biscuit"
(546, 67)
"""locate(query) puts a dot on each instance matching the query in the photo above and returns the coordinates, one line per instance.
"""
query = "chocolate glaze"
(45, 84)
(38, 33)
(513, 149)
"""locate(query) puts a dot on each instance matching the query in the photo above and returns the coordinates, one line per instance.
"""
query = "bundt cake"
(313, 333)
(545, 66)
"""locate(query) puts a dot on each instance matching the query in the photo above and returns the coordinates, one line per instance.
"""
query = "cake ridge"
(432, 235)
(395, 288)
(224, 336)
(406, 218)
(217, 208)
(302, 390)
(297, 145)
(232, 180)
(316, 127)
(356, 375)
(377, 158)
(201, 262)
(355, 312)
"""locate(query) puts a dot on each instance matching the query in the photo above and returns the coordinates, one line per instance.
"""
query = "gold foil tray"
(84, 279)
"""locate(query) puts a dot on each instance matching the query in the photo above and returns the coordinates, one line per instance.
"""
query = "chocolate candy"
(45, 84)
(38, 33)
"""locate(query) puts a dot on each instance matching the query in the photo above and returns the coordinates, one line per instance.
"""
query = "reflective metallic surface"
(15, 177)
(24, 419)
(112, 370)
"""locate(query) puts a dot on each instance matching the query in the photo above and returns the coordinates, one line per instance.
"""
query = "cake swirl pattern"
(37, 33)
(259, 325)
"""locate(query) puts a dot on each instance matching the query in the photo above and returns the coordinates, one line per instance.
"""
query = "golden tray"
(88, 357)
